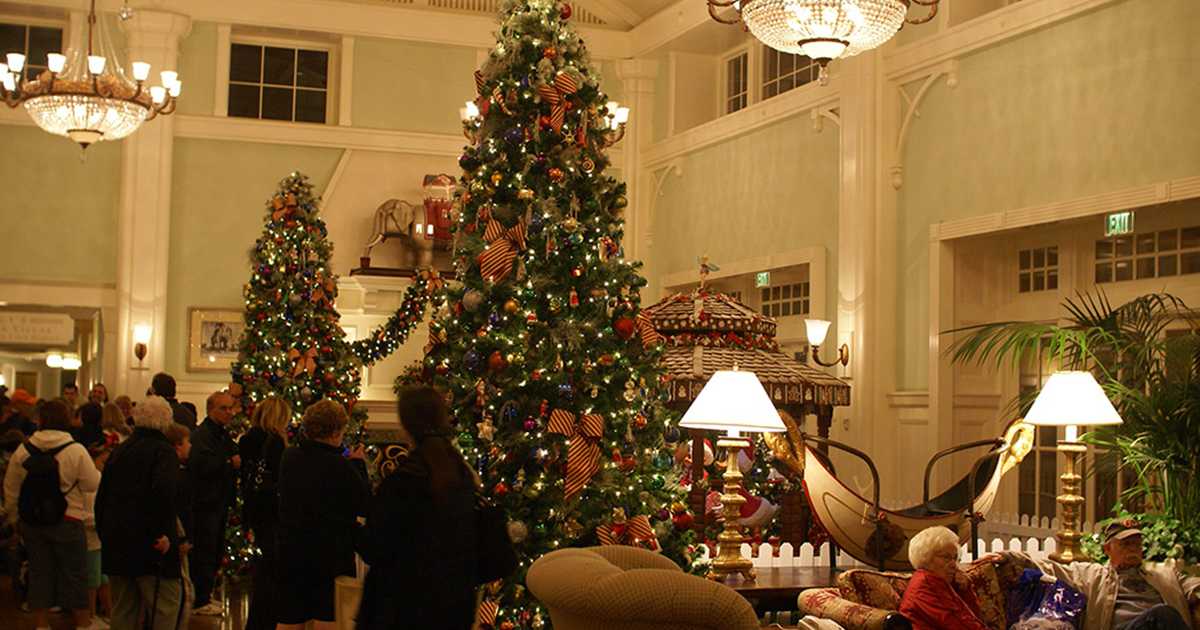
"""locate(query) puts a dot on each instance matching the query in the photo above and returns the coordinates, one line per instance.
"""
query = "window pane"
(313, 68)
(279, 68)
(1039, 281)
(1189, 238)
(1189, 263)
(1039, 257)
(1106, 484)
(804, 308)
(1145, 267)
(245, 64)
(772, 90)
(1104, 273)
(1052, 279)
(766, 310)
(1047, 436)
(43, 40)
(1104, 250)
(775, 293)
(771, 70)
(1025, 259)
(1168, 240)
(1052, 256)
(1168, 265)
(12, 38)
(1027, 482)
(1123, 271)
(1023, 284)
(766, 294)
(310, 106)
(804, 289)
(787, 64)
(787, 309)
(277, 103)
(1124, 246)
(243, 100)
(1145, 243)
(1047, 483)
(787, 82)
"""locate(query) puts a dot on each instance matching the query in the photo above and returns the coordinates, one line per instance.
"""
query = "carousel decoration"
(424, 229)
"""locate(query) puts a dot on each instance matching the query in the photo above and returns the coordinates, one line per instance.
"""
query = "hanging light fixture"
(88, 97)
(822, 30)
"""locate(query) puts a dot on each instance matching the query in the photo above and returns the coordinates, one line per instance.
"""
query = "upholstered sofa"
(869, 600)
(617, 587)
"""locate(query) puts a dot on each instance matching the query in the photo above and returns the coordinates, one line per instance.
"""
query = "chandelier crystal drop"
(86, 95)
(822, 30)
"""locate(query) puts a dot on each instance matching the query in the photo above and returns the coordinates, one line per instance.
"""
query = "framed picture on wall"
(213, 337)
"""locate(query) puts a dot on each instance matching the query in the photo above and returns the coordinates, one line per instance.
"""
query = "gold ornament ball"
(570, 224)
(525, 194)
(511, 306)
(550, 52)
(497, 178)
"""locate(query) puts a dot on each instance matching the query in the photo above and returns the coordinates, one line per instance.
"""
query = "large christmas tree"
(554, 374)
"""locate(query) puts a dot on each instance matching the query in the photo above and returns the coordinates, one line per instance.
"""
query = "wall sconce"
(617, 118)
(71, 362)
(54, 360)
(817, 330)
(141, 339)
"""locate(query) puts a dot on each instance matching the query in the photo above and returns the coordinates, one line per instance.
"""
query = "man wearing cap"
(17, 414)
(1127, 594)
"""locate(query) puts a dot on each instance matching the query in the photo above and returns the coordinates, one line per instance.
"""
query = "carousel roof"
(706, 331)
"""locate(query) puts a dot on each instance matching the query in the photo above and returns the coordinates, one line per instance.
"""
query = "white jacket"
(77, 473)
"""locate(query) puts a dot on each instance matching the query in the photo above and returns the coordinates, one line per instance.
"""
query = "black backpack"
(42, 502)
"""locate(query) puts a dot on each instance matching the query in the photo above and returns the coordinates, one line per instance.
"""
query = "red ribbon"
(583, 450)
(635, 532)
(496, 260)
(564, 86)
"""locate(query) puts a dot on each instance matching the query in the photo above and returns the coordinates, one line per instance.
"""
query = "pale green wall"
(218, 202)
(662, 98)
(60, 212)
(197, 69)
(411, 86)
(610, 83)
(770, 191)
(1105, 101)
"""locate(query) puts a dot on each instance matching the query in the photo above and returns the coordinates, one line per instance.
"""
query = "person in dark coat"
(136, 519)
(214, 463)
(322, 492)
(163, 385)
(420, 537)
(262, 449)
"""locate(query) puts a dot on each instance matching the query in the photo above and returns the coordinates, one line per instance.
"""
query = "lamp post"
(1070, 399)
(817, 330)
(735, 402)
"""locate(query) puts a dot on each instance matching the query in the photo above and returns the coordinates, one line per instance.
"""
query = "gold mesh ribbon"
(583, 450)
(283, 206)
(305, 361)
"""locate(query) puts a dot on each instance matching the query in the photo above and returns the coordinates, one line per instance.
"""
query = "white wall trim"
(910, 398)
(1161, 192)
(315, 135)
(1014, 20)
(346, 81)
(55, 293)
(221, 93)
(729, 126)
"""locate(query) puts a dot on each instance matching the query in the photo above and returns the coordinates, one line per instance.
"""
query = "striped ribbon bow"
(556, 94)
(583, 450)
(634, 532)
(496, 260)
(284, 206)
(650, 336)
(485, 615)
(305, 362)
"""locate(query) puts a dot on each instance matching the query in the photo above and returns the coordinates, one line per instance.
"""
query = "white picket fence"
(787, 555)
(1009, 526)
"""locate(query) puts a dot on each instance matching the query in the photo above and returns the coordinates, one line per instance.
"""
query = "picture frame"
(214, 335)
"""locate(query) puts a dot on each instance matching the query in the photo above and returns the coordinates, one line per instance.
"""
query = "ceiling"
(643, 8)
(613, 14)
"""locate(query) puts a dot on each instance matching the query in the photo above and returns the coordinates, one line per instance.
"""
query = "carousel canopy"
(706, 331)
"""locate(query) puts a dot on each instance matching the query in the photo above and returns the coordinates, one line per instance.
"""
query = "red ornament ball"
(497, 362)
(550, 52)
(625, 327)
(500, 489)
(628, 464)
(682, 521)
(566, 11)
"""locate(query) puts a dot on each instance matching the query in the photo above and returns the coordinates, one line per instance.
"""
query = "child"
(180, 438)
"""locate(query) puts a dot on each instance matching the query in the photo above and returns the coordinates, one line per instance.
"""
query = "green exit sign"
(1118, 223)
(762, 279)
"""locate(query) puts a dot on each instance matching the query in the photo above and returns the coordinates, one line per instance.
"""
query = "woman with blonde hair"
(112, 422)
(261, 449)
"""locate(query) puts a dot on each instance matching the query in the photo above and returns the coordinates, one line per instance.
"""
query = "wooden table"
(776, 588)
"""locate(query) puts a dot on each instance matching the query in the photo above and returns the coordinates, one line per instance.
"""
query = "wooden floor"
(11, 617)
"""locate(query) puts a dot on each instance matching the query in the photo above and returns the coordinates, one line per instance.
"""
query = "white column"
(637, 79)
(143, 222)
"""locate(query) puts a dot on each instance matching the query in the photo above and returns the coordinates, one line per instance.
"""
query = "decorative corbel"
(819, 114)
(911, 106)
(675, 166)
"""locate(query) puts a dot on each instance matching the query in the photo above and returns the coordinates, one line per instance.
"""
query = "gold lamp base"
(1072, 505)
(729, 560)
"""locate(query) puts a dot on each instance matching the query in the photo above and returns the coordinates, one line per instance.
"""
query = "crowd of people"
(115, 511)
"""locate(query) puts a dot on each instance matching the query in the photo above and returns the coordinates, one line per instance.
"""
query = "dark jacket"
(135, 505)
(260, 507)
(20, 423)
(214, 480)
(182, 414)
(183, 500)
(421, 552)
(321, 494)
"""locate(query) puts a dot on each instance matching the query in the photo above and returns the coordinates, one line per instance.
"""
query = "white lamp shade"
(817, 330)
(141, 71)
(733, 401)
(141, 333)
(158, 94)
(16, 62)
(71, 362)
(56, 62)
(96, 64)
(54, 360)
(1072, 398)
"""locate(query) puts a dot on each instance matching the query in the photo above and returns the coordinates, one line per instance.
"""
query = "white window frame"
(1045, 269)
(332, 80)
(760, 80)
(723, 96)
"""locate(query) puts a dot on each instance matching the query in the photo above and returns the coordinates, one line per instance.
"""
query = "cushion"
(871, 588)
(981, 579)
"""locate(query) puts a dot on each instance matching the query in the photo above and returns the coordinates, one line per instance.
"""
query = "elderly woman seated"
(931, 602)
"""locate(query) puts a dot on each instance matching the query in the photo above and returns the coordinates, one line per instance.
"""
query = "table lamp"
(735, 402)
(1070, 399)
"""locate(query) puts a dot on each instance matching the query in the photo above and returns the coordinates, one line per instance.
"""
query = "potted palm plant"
(1146, 355)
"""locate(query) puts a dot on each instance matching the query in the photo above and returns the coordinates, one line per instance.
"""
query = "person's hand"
(185, 548)
(359, 452)
(162, 544)
(236, 460)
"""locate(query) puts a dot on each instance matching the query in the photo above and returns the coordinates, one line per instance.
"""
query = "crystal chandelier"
(88, 98)
(822, 30)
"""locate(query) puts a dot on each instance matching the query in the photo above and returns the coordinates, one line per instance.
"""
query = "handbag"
(495, 557)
